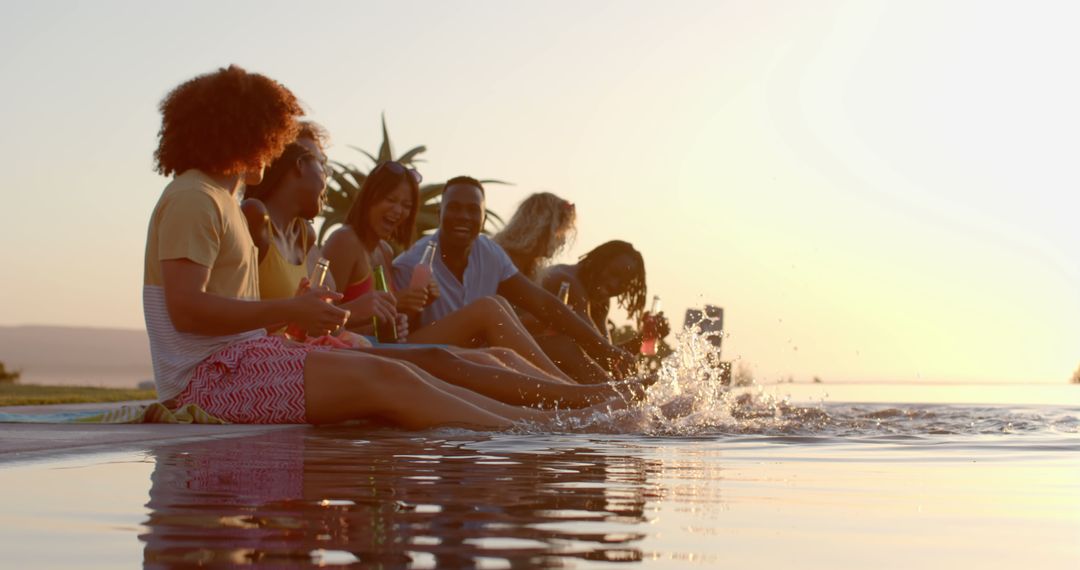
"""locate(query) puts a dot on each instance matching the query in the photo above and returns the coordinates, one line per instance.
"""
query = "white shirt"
(488, 266)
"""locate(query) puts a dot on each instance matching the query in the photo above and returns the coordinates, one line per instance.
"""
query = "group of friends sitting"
(237, 328)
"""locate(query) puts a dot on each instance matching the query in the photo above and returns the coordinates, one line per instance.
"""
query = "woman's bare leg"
(497, 382)
(543, 417)
(487, 321)
(501, 356)
(566, 354)
(346, 385)
(512, 412)
(572, 360)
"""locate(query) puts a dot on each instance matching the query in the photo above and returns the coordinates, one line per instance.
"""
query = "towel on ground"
(154, 413)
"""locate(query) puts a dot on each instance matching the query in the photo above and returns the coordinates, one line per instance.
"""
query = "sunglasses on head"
(398, 169)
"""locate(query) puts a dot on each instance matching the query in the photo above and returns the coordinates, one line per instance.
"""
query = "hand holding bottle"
(649, 329)
(433, 291)
(421, 285)
(296, 330)
(421, 274)
(412, 300)
(661, 325)
(314, 312)
(385, 329)
(378, 304)
(402, 327)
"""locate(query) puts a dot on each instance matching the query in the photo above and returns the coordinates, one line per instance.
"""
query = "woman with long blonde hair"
(538, 231)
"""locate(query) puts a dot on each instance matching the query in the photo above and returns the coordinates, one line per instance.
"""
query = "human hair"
(275, 172)
(378, 184)
(594, 262)
(467, 180)
(226, 122)
(528, 236)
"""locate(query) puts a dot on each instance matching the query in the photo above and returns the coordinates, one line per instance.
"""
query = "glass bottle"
(421, 274)
(648, 328)
(316, 279)
(564, 292)
(385, 331)
(318, 274)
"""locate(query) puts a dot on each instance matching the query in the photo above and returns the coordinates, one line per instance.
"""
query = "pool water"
(767, 483)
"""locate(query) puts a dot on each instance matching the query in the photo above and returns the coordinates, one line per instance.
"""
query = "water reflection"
(327, 497)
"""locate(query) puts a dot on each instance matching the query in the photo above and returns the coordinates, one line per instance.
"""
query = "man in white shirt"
(470, 267)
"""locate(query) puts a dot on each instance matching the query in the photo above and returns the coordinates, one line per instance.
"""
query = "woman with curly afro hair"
(206, 322)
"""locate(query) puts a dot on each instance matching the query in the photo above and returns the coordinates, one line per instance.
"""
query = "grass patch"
(34, 395)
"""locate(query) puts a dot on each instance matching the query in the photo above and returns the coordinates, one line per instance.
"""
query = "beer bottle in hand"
(648, 328)
(385, 331)
(318, 276)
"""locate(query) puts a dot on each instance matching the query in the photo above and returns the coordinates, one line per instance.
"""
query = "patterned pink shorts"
(258, 381)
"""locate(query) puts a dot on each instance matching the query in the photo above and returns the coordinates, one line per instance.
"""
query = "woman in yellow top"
(279, 210)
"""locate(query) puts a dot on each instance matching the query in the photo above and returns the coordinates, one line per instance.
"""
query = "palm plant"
(344, 183)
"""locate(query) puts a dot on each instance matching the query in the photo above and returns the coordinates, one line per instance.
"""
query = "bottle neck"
(429, 254)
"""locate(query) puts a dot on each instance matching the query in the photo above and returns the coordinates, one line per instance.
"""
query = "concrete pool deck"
(19, 441)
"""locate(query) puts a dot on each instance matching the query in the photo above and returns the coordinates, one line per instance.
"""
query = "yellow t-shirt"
(199, 220)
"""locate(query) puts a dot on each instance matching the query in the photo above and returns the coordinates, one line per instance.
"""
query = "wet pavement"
(32, 440)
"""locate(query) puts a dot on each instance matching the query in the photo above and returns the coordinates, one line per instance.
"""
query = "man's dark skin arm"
(551, 311)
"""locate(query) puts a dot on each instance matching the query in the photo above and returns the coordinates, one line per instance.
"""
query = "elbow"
(183, 322)
(182, 318)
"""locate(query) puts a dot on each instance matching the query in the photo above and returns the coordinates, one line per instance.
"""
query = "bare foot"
(679, 407)
(635, 388)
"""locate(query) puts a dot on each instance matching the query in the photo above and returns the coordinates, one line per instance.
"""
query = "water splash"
(689, 400)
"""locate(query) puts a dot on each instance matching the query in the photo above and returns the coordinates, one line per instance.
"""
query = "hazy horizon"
(61, 355)
(870, 189)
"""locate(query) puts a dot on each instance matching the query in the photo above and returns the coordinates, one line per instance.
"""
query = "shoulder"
(343, 237)
(488, 248)
(258, 221)
(553, 276)
(195, 185)
(342, 247)
(185, 200)
(561, 271)
(190, 188)
(255, 212)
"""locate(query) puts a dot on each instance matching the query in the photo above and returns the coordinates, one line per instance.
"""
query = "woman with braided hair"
(611, 270)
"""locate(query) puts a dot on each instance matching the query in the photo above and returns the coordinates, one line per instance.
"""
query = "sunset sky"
(872, 191)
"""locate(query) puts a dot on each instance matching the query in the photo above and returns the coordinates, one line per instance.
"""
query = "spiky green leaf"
(409, 157)
(374, 161)
(386, 151)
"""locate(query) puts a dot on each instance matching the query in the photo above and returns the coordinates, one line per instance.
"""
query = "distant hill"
(76, 356)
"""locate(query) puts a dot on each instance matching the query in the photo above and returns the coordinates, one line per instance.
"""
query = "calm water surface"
(751, 480)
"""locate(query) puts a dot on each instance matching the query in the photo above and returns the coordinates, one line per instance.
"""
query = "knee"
(490, 311)
(436, 353)
(491, 356)
(501, 353)
(489, 305)
(506, 306)
(398, 381)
